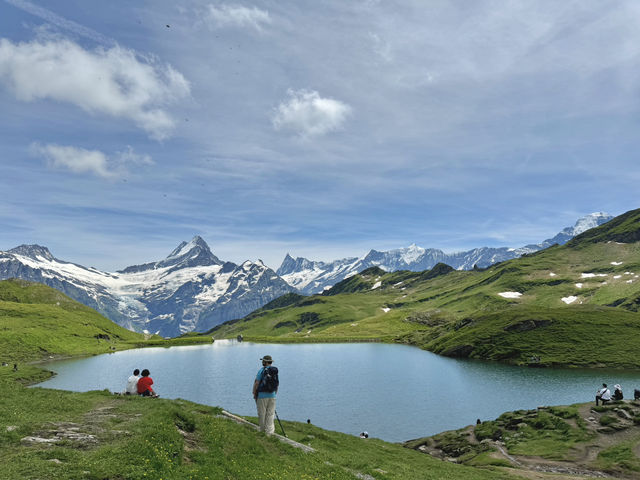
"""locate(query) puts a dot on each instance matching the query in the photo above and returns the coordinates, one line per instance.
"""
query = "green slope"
(37, 321)
(461, 313)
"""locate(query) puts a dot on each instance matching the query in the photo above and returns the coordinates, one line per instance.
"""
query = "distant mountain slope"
(576, 304)
(189, 290)
(313, 277)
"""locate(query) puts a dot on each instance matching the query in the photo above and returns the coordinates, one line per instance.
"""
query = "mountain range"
(311, 277)
(191, 289)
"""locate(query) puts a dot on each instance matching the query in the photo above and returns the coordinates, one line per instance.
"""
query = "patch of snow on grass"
(569, 299)
(587, 275)
(628, 273)
(616, 263)
(551, 274)
(615, 277)
(510, 294)
(630, 281)
(353, 325)
(376, 285)
(385, 309)
(579, 285)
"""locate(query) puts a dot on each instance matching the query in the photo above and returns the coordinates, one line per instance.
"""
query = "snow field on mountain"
(570, 299)
(510, 294)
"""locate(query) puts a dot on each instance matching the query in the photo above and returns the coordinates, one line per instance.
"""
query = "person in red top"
(144, 385)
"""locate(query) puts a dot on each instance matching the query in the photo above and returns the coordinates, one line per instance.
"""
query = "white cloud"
(114, 81)
(80, 160)
(308, 114)
(237, 16)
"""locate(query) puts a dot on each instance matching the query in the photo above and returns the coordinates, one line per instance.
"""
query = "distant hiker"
(265, 388)
(308, 421)
(636, 394)
(478, 421)
(132, 383)
(144, 385)
(364, 435)
(15, 367)
(604, 394)
(617, 392)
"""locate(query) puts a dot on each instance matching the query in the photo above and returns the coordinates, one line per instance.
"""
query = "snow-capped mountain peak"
(191, 289)
(191, 254)
(589, 221)
(187, 254)
(411, 253)
(33, 252)
(313, 277)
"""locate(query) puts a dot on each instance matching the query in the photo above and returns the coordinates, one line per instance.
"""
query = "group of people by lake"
(604, 394)
(265, 389)
(140, 384)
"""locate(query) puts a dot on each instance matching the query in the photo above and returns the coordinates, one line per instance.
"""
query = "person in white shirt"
(132, 383)
(604, 394)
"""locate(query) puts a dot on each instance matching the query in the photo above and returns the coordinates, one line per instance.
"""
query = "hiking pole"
(280, 423)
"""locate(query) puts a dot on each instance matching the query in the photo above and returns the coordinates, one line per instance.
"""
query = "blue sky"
(322, 129)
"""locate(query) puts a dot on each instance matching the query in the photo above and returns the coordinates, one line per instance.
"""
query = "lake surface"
(394, 392)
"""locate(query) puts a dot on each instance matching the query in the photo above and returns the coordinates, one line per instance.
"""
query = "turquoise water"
(394, 392)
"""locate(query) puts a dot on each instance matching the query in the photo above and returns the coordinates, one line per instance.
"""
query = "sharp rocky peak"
(33, 251)
(191, 254)
(195, 253)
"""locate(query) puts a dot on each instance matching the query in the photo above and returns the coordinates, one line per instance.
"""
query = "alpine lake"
(394, 392)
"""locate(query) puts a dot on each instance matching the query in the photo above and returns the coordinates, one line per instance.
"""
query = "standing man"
(265, 388)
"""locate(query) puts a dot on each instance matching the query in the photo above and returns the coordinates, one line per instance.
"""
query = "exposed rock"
(459, 351)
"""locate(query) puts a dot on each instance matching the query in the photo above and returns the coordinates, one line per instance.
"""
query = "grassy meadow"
(571, 305)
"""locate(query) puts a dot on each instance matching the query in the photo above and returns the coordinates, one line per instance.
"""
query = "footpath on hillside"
(580, 441)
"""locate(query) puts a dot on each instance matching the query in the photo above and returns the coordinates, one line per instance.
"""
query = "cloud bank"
(114, 82)
(308, 114)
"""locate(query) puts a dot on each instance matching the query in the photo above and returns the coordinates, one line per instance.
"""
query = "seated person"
(132, 383)
(604, 394)
(617, 393)
(636, 394)
(144, 385)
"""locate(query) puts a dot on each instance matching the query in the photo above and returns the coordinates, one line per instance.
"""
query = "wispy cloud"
(237, 16)
(116, 81)
(308, 114)
(94, 162)
(61, 22)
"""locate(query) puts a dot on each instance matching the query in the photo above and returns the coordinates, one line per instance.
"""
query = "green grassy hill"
(38, 322)
(575, 304)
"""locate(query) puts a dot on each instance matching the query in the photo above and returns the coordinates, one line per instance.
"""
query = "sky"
(319, 129)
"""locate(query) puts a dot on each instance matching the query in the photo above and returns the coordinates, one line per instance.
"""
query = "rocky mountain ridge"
(311, 277)
(190, 290)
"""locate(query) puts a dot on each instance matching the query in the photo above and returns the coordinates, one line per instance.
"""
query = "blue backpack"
(269, 381)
